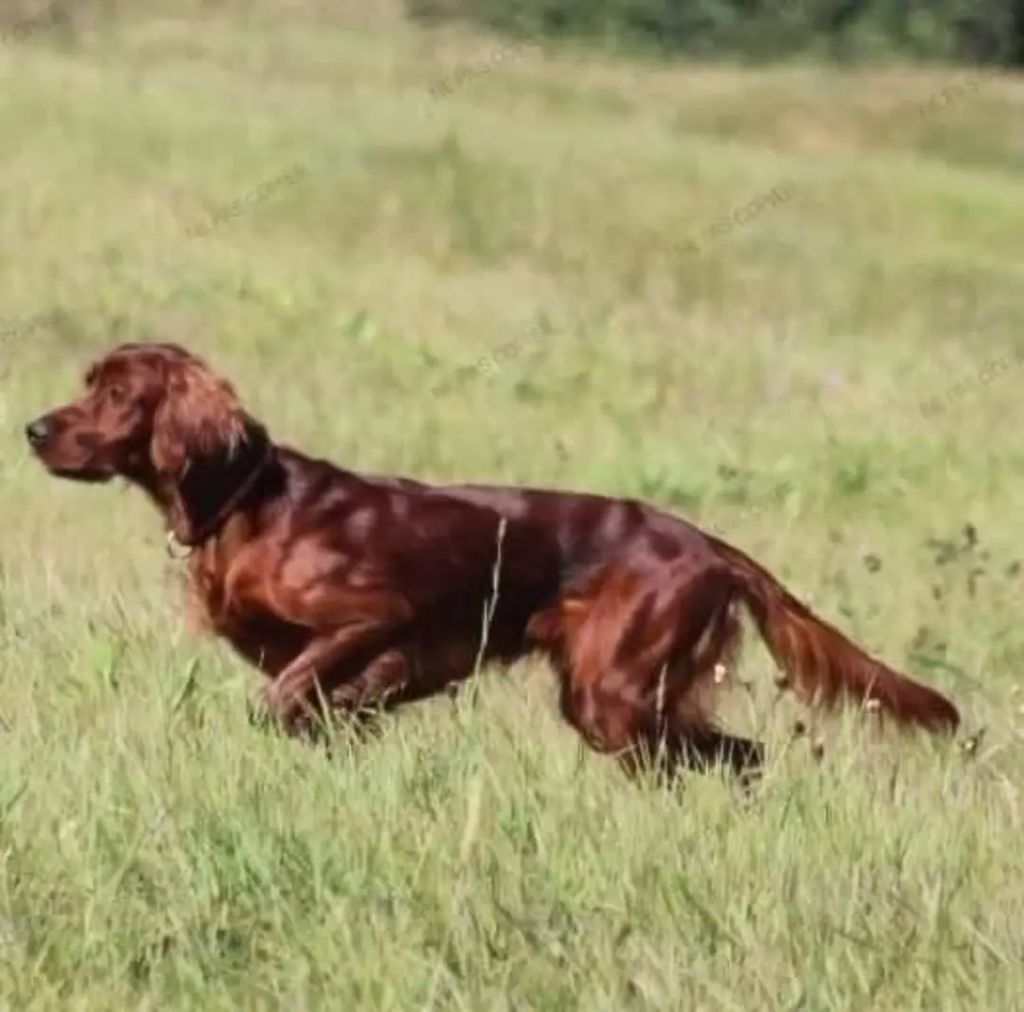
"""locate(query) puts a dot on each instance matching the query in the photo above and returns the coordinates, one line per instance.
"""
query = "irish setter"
(352, 591)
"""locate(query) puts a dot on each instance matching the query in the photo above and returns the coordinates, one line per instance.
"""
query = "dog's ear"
(205, 448)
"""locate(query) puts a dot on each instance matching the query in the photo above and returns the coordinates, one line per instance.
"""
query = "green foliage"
(982, 31)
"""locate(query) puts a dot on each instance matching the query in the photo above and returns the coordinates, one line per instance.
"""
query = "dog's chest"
(220, 605)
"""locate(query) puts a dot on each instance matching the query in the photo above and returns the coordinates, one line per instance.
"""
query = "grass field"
(786, 303)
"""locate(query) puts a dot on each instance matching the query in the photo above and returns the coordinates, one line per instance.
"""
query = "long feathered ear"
(206, 450)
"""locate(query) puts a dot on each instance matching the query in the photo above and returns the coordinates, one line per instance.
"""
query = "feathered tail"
(822, 664)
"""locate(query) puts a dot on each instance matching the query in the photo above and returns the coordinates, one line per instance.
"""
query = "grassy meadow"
(786, 303)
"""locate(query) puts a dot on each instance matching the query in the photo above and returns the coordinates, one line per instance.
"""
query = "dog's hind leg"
(638, 651)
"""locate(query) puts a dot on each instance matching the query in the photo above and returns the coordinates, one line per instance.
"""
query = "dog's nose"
(37, 432)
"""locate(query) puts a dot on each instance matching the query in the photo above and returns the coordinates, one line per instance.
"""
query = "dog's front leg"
(382, 679)
(292, 694)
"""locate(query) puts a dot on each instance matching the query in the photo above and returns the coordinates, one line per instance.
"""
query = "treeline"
(972, 31)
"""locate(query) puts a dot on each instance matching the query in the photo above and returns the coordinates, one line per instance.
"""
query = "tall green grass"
(522, 276)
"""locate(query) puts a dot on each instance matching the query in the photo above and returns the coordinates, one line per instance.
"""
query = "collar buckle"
(176, 550)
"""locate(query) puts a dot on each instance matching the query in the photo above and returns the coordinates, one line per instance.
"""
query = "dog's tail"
(820, 663)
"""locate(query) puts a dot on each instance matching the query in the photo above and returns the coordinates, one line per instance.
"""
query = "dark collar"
(175, 544)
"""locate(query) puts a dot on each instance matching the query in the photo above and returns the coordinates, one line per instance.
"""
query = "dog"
(352, 591)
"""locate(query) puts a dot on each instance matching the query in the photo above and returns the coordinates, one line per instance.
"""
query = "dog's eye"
(116, 394)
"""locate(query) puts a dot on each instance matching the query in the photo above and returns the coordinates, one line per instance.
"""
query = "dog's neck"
(196, 506)
(209, 499)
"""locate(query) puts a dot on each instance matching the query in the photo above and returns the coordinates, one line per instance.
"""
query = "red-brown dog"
(363, 591)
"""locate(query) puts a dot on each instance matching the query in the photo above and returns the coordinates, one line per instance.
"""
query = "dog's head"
(157, 415)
